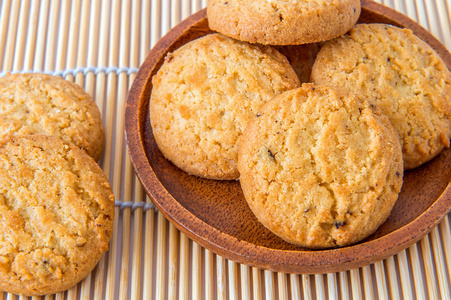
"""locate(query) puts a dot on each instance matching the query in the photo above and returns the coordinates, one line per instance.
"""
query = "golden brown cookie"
(56, 212)
(282, 22)
(320, 167)
(35, 103)
(204, 95)
(400, 74)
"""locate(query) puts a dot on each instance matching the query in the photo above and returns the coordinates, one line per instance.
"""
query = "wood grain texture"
(215, 214)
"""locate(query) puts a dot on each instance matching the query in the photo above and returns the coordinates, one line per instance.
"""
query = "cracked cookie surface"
(320, 167)
(282, 22)
(34, 103)
(402, 75)
(203, 96)
(56, 212)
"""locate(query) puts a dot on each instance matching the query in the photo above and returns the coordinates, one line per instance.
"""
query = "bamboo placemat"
(100, 44)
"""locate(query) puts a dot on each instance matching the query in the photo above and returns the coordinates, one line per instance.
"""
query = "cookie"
(44, 104)
(402, 75)
(281, 22)
(203, 96)
(56, 211)
(320, 167)
(301, 58)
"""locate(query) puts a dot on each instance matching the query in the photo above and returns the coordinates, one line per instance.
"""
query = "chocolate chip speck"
(270, 154)
(339, 224)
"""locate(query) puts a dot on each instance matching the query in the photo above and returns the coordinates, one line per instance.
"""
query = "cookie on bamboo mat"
(203, 96)
(301, 58)
(35, 103)
(56, 210)
(281, 22)
(402, 75)
(320, 167)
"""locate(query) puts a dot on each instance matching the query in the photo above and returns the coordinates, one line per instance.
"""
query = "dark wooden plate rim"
(229, 247)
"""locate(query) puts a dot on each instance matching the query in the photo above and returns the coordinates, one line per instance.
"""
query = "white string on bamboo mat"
(84, 70)
(134, 205)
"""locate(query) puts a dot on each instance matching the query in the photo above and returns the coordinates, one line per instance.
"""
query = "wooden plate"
(214, 213)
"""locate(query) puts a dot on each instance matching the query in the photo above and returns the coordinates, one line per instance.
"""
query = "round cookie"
(56, 211)
(320, 167)
(203, 96)
(35, 103)
(282, 22)
(399, 73)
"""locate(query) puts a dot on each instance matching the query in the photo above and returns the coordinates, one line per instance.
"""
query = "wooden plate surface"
(214, 213)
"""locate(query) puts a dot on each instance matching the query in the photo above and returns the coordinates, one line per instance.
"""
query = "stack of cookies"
(56, 204)
(316, 116)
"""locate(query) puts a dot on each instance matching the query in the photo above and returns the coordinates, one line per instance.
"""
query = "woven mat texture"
(100, 44)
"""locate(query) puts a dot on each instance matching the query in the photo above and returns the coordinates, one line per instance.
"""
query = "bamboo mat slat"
(100, 45)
